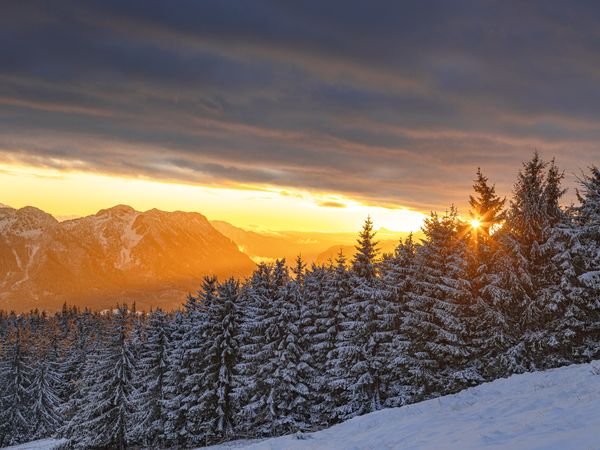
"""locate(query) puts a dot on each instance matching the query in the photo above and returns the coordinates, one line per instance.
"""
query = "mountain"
(313, 246)
(116, 255)
(555, 409)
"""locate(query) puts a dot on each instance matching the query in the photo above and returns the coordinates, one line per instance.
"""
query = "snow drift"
(555, 409)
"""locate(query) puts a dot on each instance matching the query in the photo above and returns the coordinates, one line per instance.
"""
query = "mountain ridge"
(116, 255)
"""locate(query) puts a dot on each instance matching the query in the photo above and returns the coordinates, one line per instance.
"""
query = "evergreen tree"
(218, 377)
(361, 342)
(334, 380)
(573, 329)
(434, 321)
(150, 373)
(15, 398)
(175, 426)
(101, 420)
(194, 361)
(398, 273)
(531, 269)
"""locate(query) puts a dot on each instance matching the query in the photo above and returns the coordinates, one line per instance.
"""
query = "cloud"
(332, 204)
(395, 103)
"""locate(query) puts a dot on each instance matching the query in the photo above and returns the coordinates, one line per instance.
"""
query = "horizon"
(284, 117)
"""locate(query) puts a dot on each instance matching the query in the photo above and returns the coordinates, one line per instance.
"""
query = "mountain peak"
(118, 210)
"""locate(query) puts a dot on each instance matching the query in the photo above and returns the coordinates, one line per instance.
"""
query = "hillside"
(116, 255)
(313, 246)
(555, 409)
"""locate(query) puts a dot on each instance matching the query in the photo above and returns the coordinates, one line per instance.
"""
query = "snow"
(555, 409)
(42, 444)
(129, 240)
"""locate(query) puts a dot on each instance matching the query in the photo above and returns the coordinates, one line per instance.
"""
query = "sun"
(475, 223)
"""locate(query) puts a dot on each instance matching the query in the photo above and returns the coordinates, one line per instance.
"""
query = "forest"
(514, 286)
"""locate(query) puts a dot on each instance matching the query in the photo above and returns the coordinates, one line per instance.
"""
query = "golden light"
(77, 193)
(475, 223)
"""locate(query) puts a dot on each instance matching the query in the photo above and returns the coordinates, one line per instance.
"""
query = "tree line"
(514, 288)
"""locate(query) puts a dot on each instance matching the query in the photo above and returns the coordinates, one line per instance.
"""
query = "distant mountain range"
(315, 247)
(153, 258)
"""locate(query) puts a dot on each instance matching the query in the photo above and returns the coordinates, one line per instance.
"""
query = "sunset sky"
(305, 115)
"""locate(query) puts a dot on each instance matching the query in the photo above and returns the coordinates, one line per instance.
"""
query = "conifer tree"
(195, 346)
(218, 377)
(102, 420)
(531, 269)
(175, 428)
(15, 398)
(360, 352)
(148, 398)
(334, 380)
(434, 320)
(398, 273)
(45, 388)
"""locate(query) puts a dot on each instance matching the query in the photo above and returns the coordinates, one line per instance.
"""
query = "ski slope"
(555, 409)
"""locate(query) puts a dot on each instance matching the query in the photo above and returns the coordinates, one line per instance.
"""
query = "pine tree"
(398, 273)
(15, 399)
(434, 321)
(360, 352)
(531, 270)
(317, 321)
(102, 418)
(194, 361)
(150, 373)
(175, 426)
(263, 332)
(334, 380)
(490, 329)
(573, 328)
(44, 390)
(487, 208)
(218, 376)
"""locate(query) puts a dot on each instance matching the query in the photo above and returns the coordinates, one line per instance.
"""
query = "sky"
(290, 115)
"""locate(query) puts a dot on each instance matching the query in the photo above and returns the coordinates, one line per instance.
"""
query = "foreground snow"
(42, 444)
(555, 409)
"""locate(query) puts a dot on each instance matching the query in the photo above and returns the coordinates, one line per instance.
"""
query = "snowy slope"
(42, 444)
(555, 409)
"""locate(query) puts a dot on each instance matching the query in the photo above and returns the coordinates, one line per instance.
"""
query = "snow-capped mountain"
(116, 255)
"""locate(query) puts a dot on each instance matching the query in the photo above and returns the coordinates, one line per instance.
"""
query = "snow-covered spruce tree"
(221, 356)
(76, 348)
(175, 432)
(531, 270)
(397, 271)
(256, 297)
(148, 397)
(434, 321)
(362, 330)
(15, 398)
(315, 322)
(334, 379)
(271, 354)
(574, 328)
(45, 408)
(101, 421)
(195, 346)
(490, 328)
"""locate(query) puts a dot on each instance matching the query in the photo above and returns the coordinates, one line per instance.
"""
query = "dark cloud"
(396, 103)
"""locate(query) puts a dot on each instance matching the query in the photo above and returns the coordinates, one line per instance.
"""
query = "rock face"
(117, 255)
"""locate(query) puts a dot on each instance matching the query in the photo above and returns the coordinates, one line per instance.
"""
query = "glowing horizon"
(66, 194)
